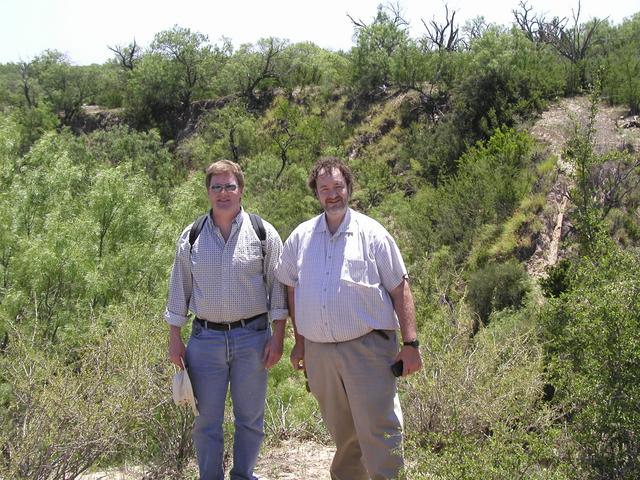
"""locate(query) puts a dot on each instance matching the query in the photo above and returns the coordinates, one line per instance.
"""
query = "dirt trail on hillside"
(554, 128)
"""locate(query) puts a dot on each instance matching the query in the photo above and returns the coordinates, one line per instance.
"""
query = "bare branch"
(357, 23)
(443, 35)
(531, 25)
(396, 12)
(126, 56)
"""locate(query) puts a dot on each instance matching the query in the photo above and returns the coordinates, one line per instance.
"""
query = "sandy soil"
(291, 460)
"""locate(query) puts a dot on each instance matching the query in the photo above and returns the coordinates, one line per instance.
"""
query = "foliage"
(591, 333)
(110, 403)
(475, 410)
(291, 412)
(310, 65)
(382, 49)
(177, 69)
(496, 287)
(622, 81)
(77, 244)
(505, 78)
(254, 69)
(229, 132)
(64, 87)
(593, 354)
(491, 180)
(139, 153)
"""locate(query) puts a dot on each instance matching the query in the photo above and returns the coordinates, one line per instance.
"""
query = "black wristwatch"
(415, 343)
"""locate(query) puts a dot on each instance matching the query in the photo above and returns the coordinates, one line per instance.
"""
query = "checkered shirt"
(342, 281)
(224, 281)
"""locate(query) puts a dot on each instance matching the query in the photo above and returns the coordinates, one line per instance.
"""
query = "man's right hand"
(176, 346)
(297, 356)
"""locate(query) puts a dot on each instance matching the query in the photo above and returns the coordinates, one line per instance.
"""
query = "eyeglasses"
(227, 187)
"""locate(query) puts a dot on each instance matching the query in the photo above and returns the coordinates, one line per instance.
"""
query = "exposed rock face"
(554, 129)
(197, 110)
(92, 117)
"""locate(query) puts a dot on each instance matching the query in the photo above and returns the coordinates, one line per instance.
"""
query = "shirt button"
(324, 306)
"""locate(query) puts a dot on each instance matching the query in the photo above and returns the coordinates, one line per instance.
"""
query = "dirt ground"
(295, 461)
(291, 460)
(555, 125)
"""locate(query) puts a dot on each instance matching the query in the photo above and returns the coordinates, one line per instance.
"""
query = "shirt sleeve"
(180, 283)
(276, 290)
(287, 267)
(390, 264)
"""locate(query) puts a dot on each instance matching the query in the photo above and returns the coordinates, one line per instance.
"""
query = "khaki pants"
(358, 398)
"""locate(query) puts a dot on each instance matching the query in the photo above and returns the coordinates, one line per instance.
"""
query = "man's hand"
(411, 359)
(176, 346)
(274, 347)
(297, 355)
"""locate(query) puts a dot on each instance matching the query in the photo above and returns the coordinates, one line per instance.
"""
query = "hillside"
(295, 459)
(553, 129)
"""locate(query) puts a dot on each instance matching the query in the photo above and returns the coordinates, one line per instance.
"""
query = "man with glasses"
(223, 277)
(348, 294)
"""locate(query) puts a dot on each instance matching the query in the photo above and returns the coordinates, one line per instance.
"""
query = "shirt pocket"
(248, 259)
(355, 271)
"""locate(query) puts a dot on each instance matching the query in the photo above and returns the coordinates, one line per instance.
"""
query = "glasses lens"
(227, 187)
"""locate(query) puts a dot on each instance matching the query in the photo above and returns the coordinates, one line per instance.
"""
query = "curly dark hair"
(326, 165)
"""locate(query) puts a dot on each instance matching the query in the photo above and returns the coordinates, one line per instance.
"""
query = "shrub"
(557, 280)
(475, 409)
(594, 358)
(496, 287)
(110, 401)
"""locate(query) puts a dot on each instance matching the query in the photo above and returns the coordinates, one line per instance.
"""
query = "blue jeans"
(217, 359)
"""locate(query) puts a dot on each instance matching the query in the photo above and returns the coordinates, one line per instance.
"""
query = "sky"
(83, 29)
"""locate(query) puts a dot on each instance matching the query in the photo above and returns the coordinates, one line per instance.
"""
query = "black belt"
(228, 326)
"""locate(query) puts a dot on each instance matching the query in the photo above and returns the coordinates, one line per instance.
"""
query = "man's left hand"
(412, 362)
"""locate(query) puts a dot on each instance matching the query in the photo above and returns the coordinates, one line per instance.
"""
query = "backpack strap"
(258, 227)
(196, 228)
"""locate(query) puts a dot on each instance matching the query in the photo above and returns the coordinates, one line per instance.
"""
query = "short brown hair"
(327, 164)
(224, 166)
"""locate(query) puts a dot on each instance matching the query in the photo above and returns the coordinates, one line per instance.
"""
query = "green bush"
(557, 280)
(496, 287)
(110, 402)
(475, 410)
(594, 358)
(505, 78)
